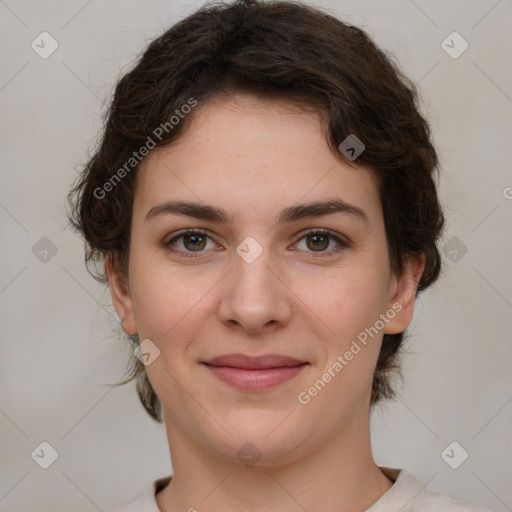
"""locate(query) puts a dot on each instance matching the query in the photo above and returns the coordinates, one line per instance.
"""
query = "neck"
(337, 476)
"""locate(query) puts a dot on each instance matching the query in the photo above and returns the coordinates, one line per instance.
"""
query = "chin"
(262, 439)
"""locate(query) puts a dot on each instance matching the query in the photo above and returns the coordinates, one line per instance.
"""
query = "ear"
(121, 296)
(404, 294)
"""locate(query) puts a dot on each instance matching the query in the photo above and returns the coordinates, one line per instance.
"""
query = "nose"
(255, 297)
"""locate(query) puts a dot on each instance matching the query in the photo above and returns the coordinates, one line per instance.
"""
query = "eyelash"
(320, 254)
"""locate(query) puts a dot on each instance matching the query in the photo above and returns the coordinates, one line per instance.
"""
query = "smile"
(255, 380)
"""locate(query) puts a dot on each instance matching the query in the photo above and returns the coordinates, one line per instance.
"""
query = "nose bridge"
(252, 279)
(253, 296)
(253, 275)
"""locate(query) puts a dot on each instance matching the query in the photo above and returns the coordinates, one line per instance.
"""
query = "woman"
(264, 200)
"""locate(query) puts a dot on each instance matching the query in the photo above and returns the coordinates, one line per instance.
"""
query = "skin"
(254, 157)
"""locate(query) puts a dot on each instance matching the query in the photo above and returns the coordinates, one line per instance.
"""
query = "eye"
(190, 241)
(197, 241)
(319, 240)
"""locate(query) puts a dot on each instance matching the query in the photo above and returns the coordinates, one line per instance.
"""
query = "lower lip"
(255, 380)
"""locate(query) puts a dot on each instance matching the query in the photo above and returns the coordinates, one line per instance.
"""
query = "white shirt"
(406, 495)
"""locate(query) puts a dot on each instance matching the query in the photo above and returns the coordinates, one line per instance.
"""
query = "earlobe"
(121, 296)
(404, 298)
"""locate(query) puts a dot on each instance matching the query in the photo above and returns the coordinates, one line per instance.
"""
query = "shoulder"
(412, 496)
(429, 500)
(147, 502)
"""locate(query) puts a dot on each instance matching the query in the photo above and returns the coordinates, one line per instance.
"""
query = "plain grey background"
(59, 349)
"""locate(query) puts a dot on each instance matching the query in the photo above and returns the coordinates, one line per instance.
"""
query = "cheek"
(170, 304)
(160, 297)
(347, 299)
(349, 303)
(350, 307)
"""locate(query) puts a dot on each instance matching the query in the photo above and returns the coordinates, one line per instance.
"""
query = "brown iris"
(197, 241)
(320, 242)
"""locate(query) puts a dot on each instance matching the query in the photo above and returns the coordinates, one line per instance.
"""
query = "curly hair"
(282, 50)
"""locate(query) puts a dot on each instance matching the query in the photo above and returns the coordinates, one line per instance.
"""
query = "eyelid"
(187, 231)
(188, 254)
(343, 242)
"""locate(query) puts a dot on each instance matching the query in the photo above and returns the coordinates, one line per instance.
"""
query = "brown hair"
(280, 50)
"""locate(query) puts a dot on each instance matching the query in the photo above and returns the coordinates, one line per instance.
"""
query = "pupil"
(196, 240)
(319, 238)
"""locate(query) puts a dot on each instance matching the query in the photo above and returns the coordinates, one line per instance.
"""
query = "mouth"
(255, 373)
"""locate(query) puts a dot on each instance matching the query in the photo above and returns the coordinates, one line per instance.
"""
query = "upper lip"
(263, 362)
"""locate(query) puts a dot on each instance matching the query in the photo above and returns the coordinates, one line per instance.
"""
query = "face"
(282, 253)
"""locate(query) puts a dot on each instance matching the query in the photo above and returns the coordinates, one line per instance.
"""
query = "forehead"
(249, 151)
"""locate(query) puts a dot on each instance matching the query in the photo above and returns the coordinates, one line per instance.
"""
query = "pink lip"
(255, 373)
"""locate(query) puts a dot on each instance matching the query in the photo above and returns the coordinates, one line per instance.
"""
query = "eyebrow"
(290, 214)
